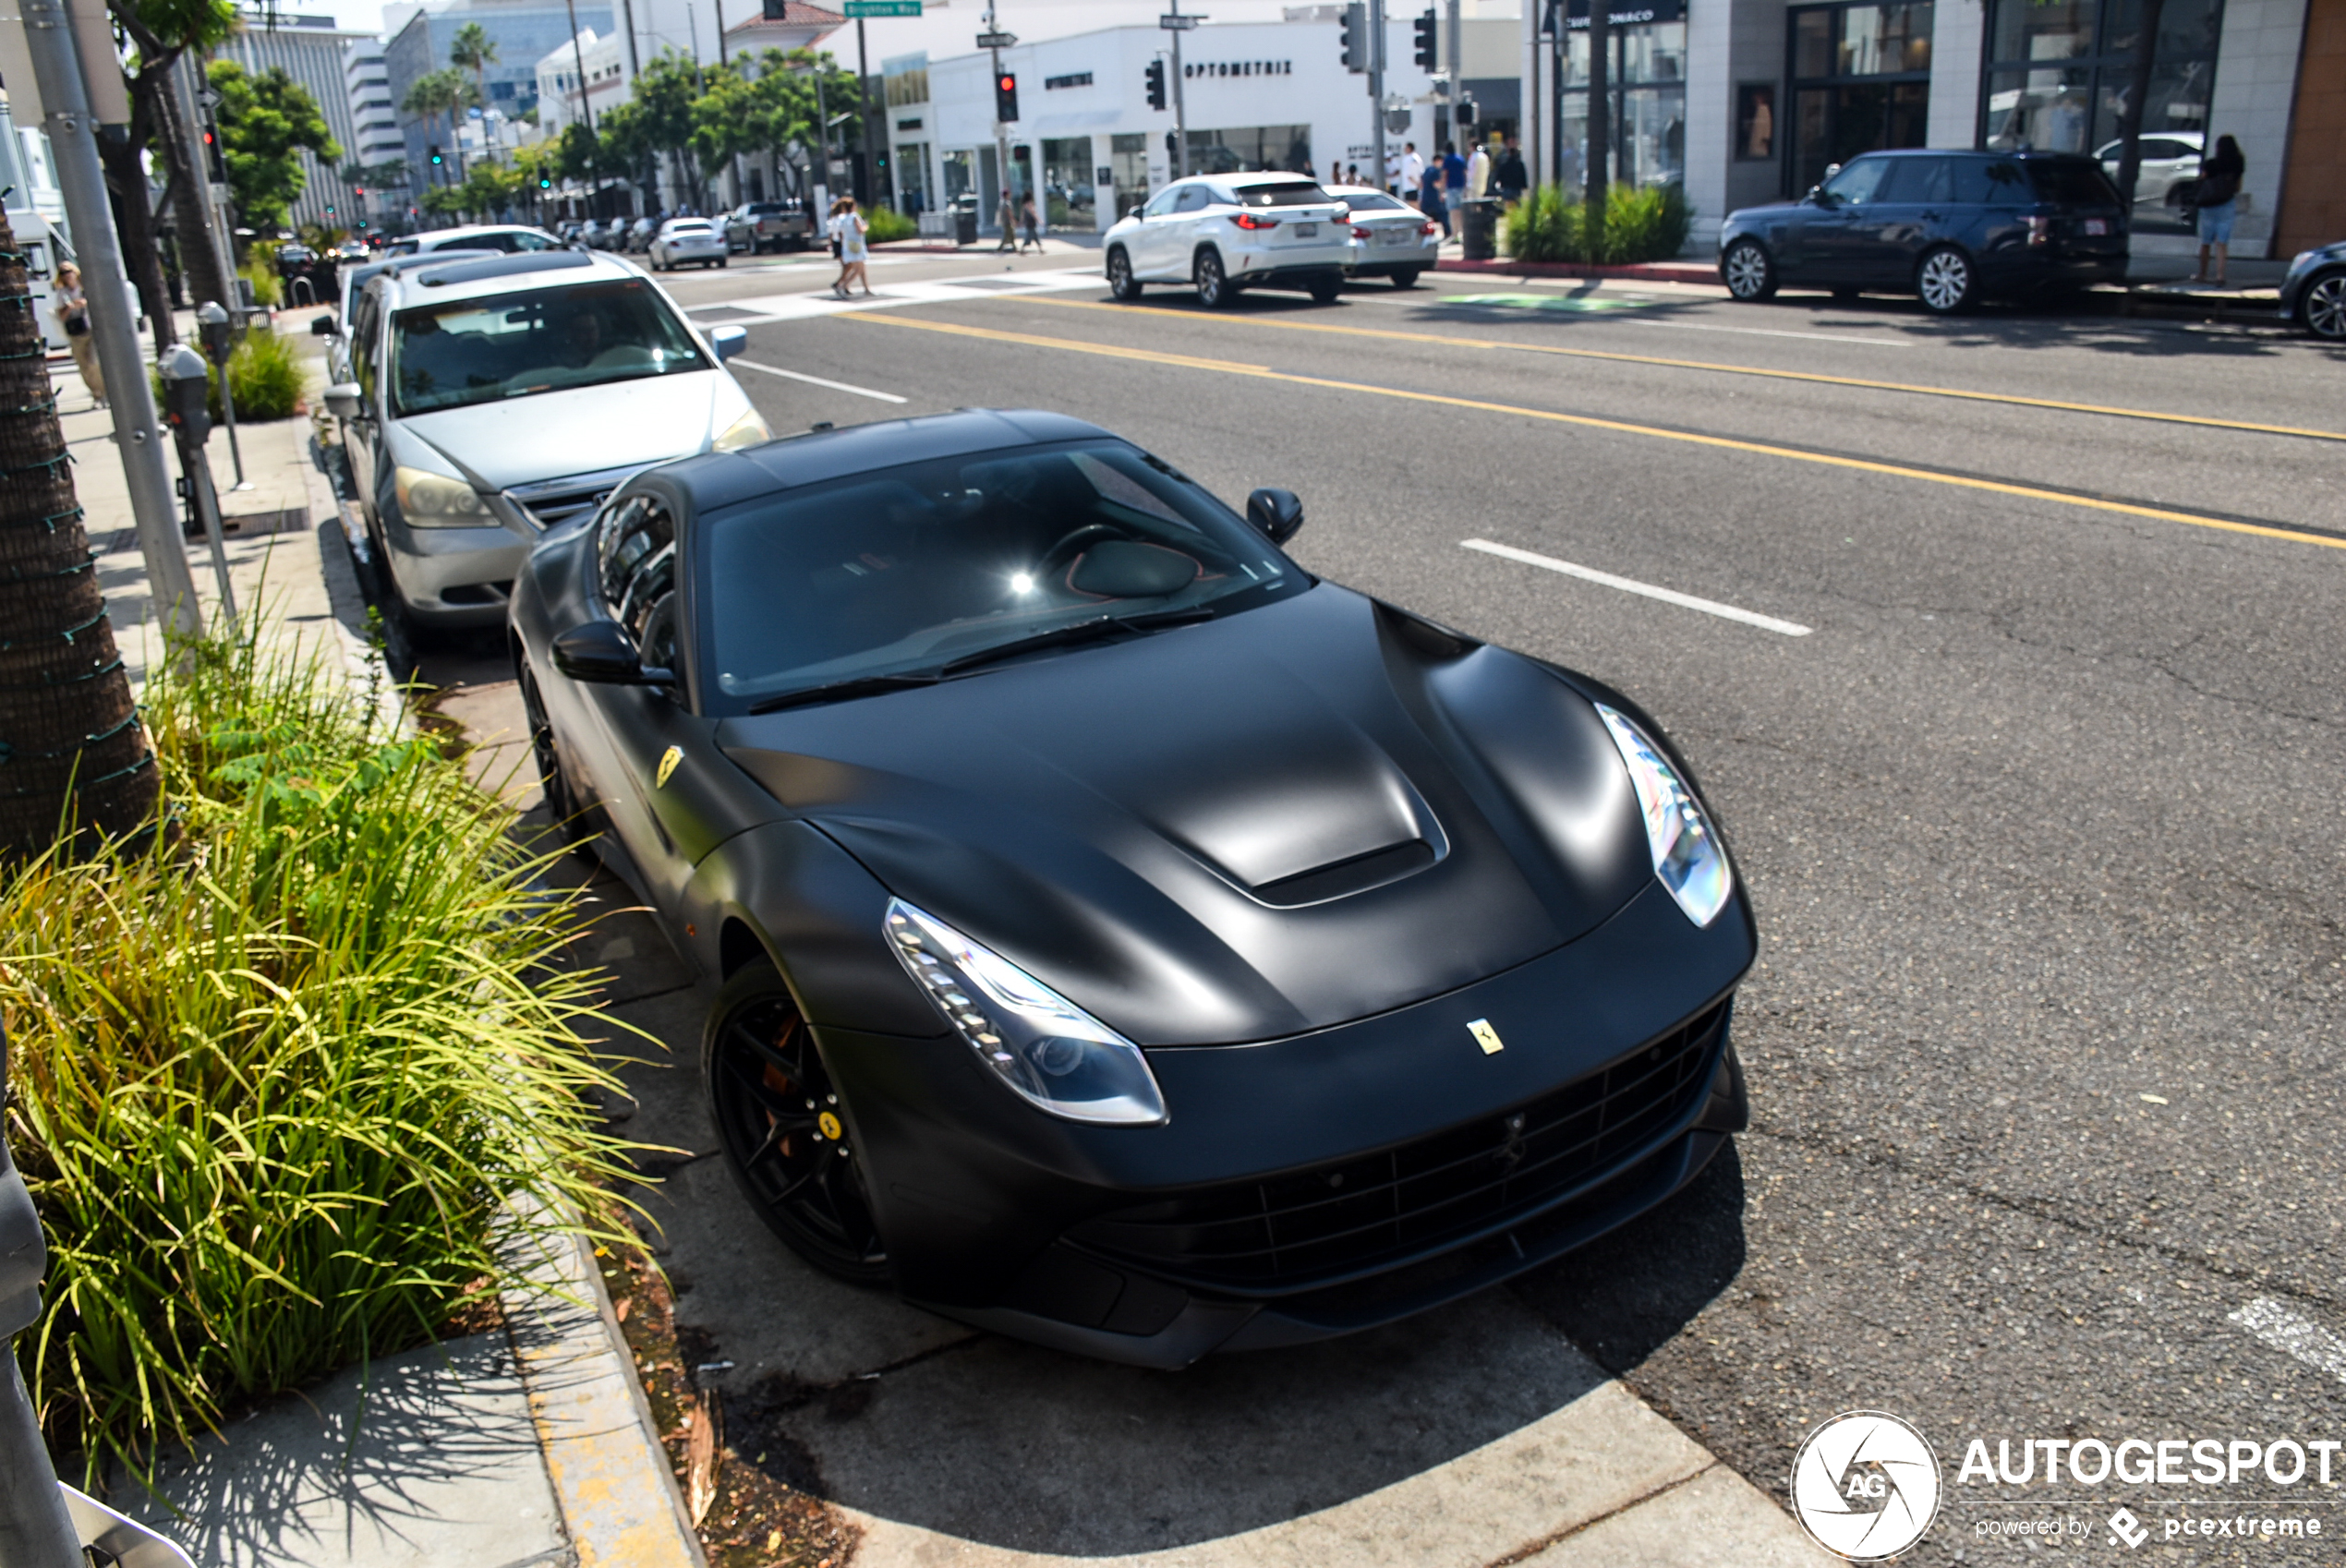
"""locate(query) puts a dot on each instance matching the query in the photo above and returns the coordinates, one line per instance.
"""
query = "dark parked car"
(2314, 294)
(1953, 228)
(1127, 940)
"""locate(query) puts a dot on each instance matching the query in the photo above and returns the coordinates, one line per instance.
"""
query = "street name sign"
(883, 7)
(1177, 22)
(997, 40)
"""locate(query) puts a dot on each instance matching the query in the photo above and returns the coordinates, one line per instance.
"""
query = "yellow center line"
(1724, 443)
(1451, 341)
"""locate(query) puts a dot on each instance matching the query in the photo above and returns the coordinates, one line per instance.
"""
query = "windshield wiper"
(839, 691)
(1078, 631)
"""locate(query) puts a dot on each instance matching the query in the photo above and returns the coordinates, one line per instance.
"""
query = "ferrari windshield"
(903, 571)
(487, 349)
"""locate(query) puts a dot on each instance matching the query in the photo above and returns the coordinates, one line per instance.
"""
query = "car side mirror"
(321, 326)
(1817, 197)
(598, 653)
(728, 341)
(1276, 513)
(342, 400)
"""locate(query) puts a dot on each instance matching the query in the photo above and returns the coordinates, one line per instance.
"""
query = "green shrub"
(1640, 226)
(278, 1072)
(887, 223)
(264, 370)
(267, 287)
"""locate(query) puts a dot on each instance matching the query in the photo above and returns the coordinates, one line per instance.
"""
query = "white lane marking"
(1631, 586)
(817, 380)
(2286, 1329)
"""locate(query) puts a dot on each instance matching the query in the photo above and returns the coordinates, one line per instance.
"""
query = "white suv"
(1222, 233)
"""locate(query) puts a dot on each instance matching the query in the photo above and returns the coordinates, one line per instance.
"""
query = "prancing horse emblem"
(1486, 1037)
(667, 761)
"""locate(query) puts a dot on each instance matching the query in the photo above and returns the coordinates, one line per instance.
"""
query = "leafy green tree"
(266, 121)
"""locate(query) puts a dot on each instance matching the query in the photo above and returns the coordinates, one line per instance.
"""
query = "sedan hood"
(618, 424)
(1287, 819)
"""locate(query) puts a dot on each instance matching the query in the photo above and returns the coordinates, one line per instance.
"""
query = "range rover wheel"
(1747, 270)
(1947, 282)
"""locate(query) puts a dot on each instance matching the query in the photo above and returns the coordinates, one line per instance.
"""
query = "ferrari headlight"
(434, 500)
(748, 430)
(1687, 855)
(1036, 1040)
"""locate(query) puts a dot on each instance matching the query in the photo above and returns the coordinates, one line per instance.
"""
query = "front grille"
(553, 502)
(1339, 1219)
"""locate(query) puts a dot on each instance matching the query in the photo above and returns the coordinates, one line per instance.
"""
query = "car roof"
(437, 238)
(2034, 154)
(417, 278)
(722, 479)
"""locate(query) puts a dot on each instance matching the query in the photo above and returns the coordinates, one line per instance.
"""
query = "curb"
(1642, 271)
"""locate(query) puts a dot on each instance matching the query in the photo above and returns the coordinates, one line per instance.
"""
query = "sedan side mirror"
(1817, 197)
(342, 400)
(321, 326)
(1276, 513)
(600, 654)
(728, 341)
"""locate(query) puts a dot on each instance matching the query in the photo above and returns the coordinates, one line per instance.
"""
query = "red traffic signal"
(1006, 97)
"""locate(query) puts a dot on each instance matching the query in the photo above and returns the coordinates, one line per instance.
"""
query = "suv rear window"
(1302, 193)
(2072, 182)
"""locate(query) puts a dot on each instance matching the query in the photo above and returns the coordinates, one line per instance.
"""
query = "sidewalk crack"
(1533, 1549)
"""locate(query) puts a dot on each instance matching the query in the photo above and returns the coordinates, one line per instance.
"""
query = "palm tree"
(436, 94)
(76, 757)
(474, 51)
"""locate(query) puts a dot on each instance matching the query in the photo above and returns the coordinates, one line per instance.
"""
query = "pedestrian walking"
(1430, 198)
(72, 309)
(1513, 179)
(2217, 199)
(853, 250)
(1478, 173)
(1352, 173)
(1031, 222)
(1413, 169)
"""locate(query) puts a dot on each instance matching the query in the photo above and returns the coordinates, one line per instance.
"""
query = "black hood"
(1286, 819)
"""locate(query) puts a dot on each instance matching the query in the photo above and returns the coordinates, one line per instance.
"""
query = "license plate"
(1306, 231)
(1395, 236)
(2096, 225)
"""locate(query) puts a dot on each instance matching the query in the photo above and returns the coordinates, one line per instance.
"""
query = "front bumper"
(1115, 1241)
(453, 577)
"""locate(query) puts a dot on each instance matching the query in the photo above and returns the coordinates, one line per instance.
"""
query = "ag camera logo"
(1865, 1485)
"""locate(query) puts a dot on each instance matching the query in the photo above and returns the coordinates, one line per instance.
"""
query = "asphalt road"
(2040, 816)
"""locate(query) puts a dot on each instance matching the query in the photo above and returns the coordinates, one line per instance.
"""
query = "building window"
(2059, 74)
(1067, 182)
(1648, 76)
(1080, 79)
(1860, 83)
(1247, 149)
(1127, 162)
(1755, 121)
(911, 176)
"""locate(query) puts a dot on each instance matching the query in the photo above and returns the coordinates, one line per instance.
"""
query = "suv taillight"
(1249, 220)
(2039, 230)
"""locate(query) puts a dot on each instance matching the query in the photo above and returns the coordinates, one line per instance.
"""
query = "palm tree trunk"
(74, 760)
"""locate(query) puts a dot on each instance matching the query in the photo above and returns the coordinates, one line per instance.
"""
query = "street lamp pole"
(1001, 142)
(1180, 116)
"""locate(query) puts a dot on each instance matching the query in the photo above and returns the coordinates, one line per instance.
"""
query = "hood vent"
(1342, 879)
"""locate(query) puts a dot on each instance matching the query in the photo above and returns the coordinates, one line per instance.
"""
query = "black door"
(1911, 210)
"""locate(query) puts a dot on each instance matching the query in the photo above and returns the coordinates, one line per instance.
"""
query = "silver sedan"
(1390, 238)
(687, 242)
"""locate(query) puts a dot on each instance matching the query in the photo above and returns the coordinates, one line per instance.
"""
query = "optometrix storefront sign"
(1238, 67)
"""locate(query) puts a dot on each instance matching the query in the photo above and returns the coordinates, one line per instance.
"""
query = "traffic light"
(1429, 29)
(1006, 98)
(1356, 37)
(330, 211)
(1157, 84)
(545, 183)
(435, 154)
(1463, 114)
(212, 158)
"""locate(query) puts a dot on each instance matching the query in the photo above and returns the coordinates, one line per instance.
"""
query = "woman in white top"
(853, 252)
(72, 308)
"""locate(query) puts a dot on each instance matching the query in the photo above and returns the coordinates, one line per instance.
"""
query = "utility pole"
(1376, 88)
(1008, 214)
(863, 108)
(1180, 116)
(57, 73)
(1455, 86)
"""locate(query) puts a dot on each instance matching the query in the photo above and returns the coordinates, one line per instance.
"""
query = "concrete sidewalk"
(526, 1447)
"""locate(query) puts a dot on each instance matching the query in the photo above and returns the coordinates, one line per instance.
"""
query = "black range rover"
(1951, 226)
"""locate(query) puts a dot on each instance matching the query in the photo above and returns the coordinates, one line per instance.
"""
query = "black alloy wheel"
(1749, 271)
(1121, 283)
(1946, 281)
(562, 801)
(784, 1129)
(1406, 278)
(2322, 307)
(1214, 290)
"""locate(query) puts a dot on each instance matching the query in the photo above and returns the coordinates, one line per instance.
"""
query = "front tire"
(2321, 310)
(562, 801)
(1214, 289)
(1122, 284)
(784, 1129)
(1749, 271)
(1947, 282)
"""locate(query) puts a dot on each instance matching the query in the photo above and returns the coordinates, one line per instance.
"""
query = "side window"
(1914, 180)
(2005, 184)
(1194, 199)
(364, 317)
(532, 241)
(1162, 202)
(1856, 185)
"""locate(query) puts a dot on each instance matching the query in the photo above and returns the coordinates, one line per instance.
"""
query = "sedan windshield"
(907, 570)
(544, 340)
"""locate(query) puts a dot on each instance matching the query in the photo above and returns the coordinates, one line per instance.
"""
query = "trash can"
(1479, 227)
(965, 219)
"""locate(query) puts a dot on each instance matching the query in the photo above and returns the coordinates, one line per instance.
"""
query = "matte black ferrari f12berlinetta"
(1128, 941)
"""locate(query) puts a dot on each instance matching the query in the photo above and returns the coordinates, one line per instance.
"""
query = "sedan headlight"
(1051, 1051)
(1687, 855)
(433, 500)
(748, 430)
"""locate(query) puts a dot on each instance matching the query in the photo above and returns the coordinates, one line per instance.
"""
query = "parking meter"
(185, 388)
(218, 335)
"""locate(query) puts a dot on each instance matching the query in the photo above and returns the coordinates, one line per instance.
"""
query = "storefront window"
(2058, 76)
(1648, 75)
(1068, 185)
(1249, 149)
(1862, 81)
(911, 176)
(1127, 155)
(958, 175)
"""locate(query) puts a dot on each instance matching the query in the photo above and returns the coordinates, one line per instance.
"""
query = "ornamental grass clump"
(287, 1075)
(1639, 225)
